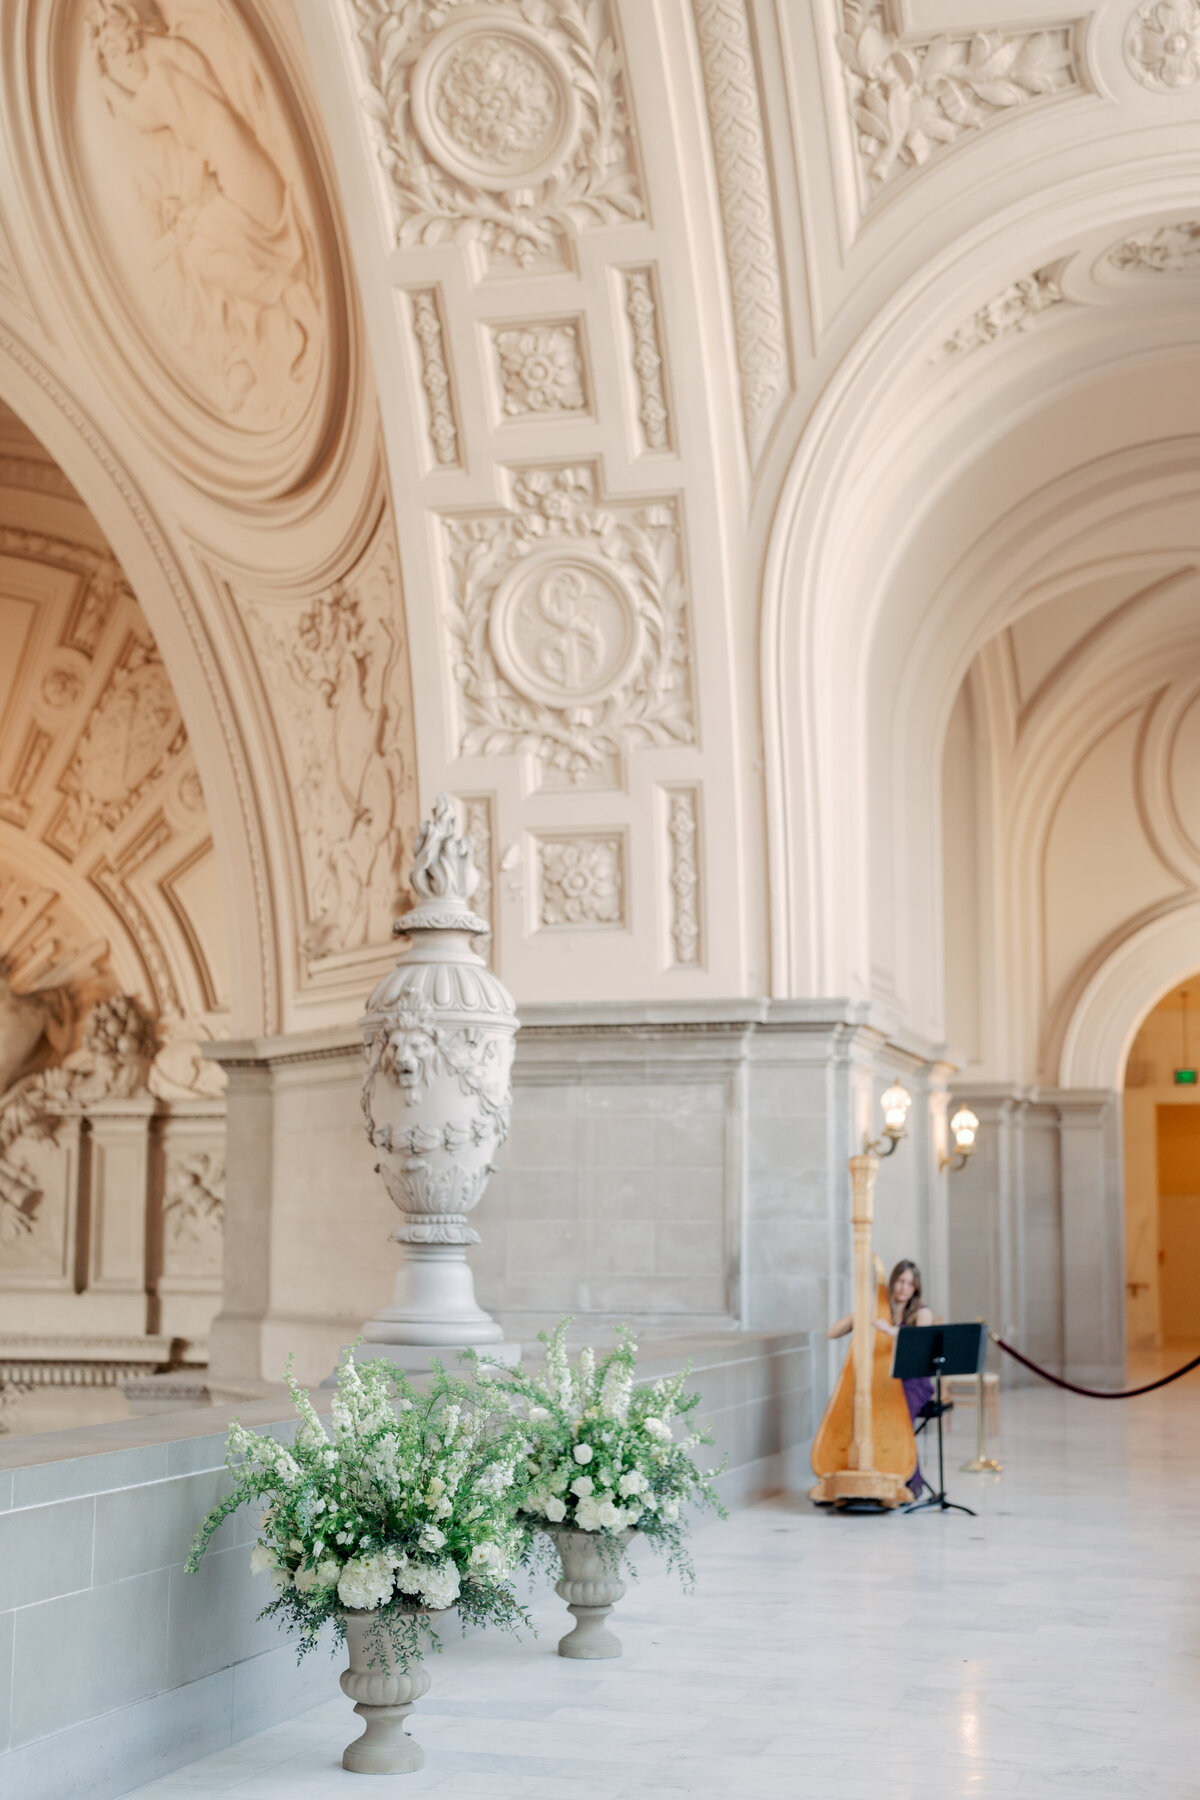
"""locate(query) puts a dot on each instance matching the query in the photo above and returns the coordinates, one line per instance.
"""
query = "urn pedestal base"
(383, 1693)
(384, 1748)
(418, 1359)
(591, 1585)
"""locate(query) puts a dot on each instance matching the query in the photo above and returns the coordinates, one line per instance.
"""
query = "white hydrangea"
(308, 1580)
(633, 1482)
(367, 1581)
(280, 1580)
(431, 1538)
(436, 1584)
(656, 1428)
(587, 1515)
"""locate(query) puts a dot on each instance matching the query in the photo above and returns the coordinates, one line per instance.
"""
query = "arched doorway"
(1162, 1176)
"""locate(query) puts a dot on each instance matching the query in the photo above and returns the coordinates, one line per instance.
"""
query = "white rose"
(555, 1511)
(582, 1486)
(610, 1515)
(582, 1453)
(262, 1558)
(634, 1482)
(431, 1538)
(670, 1511)
(280, 1579)
(633, 1514)
(538, 1415)
(487, 1557)
(328, 1572)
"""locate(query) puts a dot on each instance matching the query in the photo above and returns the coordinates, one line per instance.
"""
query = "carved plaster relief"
(1011, 311)
(201, 213)
(503, 125)
(131, 734)
(581, 881)
(478, 815)
(909, 99)
(1166, 250)
(641, 309)
(683, 832)
(193, 1210)
(569, 623)
(540, 369)
(435, 376)
(338, 679)
(1162, 44)
(747, 214)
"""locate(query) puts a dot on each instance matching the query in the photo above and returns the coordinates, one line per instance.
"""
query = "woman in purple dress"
(904, 1292)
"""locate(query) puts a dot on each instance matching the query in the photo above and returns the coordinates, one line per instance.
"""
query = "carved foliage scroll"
(747, 213)
(504, 124)
(435, 376)
(1013, 310)
(1164, 250)
(641, 309)
(911, 98)
(683, 831)
(570, 629)
(338, 674)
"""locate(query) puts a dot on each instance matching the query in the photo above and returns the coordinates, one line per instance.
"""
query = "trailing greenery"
(603, 1454)
(408, 1508)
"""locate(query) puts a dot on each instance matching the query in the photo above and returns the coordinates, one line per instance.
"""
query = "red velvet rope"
(1096, 1393)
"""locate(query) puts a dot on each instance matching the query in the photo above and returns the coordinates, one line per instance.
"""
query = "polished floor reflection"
(1048, 1649)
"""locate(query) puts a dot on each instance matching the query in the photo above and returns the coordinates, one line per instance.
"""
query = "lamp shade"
(964, 1125)
(895, 1102)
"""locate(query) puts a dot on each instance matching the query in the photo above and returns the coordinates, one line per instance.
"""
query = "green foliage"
(408, 1508)
(603, 1456)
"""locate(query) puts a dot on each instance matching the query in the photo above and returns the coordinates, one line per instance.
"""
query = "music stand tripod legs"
(939, 1499)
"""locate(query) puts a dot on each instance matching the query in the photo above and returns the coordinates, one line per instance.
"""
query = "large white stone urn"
(383, 1695)
(437, 1094)
(591, 1585)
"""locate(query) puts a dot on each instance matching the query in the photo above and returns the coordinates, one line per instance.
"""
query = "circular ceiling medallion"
(564, 629)
(494, 105)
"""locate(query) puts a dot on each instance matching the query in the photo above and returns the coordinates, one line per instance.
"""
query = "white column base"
(434, 1302)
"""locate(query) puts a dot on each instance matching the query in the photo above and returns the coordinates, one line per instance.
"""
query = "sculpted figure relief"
(233, 262)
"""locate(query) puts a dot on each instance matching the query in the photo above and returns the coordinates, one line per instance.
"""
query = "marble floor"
(1048, 1649)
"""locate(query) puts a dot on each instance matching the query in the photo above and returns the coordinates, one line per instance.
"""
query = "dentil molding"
(569, 626)
(503, 124)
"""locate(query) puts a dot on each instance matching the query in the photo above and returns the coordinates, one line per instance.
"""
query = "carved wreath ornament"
(909, 99)
(570, 625)
(502, 124)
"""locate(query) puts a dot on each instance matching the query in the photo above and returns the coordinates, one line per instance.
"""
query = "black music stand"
(933, 1351)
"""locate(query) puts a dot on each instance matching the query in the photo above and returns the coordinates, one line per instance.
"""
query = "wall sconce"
(895, 1103)
(964, 1126)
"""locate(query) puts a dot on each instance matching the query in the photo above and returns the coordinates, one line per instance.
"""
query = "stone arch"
(1132, 978)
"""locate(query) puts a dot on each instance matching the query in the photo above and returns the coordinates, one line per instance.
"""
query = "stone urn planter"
(383, 1695)
(591, 1585)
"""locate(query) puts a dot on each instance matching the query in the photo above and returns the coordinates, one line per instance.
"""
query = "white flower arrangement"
(603, 1455)
(408, 1507)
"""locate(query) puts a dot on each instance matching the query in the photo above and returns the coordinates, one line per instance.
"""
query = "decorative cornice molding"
(747, 214)
(910, 98)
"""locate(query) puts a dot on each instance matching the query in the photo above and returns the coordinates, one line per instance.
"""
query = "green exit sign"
(1185, 1078)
